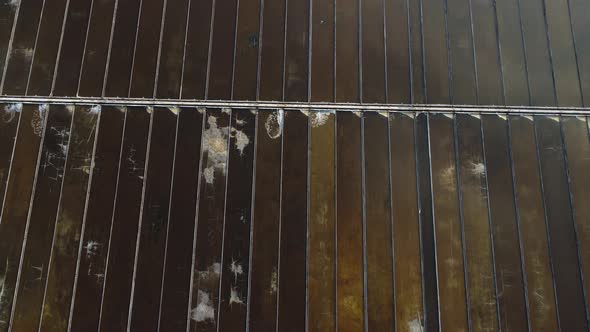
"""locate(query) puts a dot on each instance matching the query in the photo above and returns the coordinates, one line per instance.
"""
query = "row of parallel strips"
(485, 52)
(172, 219)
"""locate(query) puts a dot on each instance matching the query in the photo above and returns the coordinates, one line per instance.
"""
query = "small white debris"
(274, 124)
(319, 118)
(241, 140)
(204, 309)
(26, 52)
(10, 111)
(415, 325)
(447, 177)
(38, 119)
(95, 109)
(274, 281)
(211, 273)
(12, 108)
(477, 168)
(63, 148)
(92, 248)
(215, 146)
(209, 174)
(2, 282)
(234, 297)
(236, 269)
(322, 217)
(409, 114)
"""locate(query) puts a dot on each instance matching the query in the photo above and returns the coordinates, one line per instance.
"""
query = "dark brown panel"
(122, 243)
(563, 53)
(236, 244)
(378, 236)
(97, 223)
(96, 49)
(196, 49)
(398, 55)
(41, 220)
(322, 51)
(171, 60)
(296, 48)
(207, 264)
(262, 301)
(347, 51)
(293, 231)
(531, 219)
(67, 72)
(321, 275)
(272, 51)
(476, 226)
(416, 52)
(66, 239)
(222, 50)
(463, 79)
(372, 51)
(8, 10)
(512, 52)
(246, 64)
(560, 225)
(122, 46)
(575, 135)
(153, 225)
(487, 54)
(181, 226)
(147, 44)
(540, 75)
(406, 224)
(511, 297)
(581, 31)
(427, 235)
(22, 48)
(46, 48)
(349, 221)
(9, 123)
(16, 202)
(436, 59)
(448, 227)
